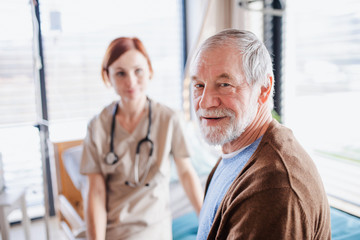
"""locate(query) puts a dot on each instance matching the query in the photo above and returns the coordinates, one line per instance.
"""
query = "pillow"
(71, 160)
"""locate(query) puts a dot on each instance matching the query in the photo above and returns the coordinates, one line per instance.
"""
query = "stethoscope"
(111, 158)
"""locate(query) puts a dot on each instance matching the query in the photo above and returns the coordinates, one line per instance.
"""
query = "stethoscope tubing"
(137, 180)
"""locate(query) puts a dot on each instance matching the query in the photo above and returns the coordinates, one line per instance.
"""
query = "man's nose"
(209, 99)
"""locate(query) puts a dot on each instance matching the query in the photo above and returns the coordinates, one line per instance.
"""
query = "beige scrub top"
(141, 212)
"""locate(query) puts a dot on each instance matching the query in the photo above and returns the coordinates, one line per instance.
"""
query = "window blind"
(19, 140)
(74, 48)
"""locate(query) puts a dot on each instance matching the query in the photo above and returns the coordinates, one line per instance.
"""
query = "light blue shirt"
(226, 172)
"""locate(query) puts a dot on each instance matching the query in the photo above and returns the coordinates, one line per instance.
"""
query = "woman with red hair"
(126, 153)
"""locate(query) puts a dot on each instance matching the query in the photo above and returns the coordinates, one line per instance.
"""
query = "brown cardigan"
(278, 195)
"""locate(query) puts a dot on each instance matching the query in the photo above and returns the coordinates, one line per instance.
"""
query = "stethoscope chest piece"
(111, 158)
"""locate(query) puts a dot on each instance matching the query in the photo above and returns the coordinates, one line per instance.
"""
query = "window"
(322, 89)
(75, 36)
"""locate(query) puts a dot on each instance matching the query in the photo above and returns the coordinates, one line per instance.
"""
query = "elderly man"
(265, 186)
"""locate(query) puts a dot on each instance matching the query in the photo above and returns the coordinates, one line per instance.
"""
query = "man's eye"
(224, 85)
(199, 85)
(138, 71)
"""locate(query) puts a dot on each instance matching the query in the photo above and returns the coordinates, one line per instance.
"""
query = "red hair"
(117, 48)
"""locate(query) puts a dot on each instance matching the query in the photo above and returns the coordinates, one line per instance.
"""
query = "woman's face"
(129, 75)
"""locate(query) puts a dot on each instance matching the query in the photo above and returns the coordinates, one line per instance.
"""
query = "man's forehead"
(215, 61)
(214, 55)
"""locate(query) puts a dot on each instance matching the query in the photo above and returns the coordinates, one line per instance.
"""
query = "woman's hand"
(190, 182)
(95, 205)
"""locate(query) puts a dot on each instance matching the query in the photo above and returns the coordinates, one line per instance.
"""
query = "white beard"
(229, 131)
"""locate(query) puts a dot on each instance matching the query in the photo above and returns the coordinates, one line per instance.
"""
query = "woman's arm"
(191, 182)
(95, 208)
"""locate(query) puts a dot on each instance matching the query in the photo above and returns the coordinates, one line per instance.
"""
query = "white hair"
(256, 60)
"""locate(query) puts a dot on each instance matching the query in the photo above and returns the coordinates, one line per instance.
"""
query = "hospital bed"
(70, 185)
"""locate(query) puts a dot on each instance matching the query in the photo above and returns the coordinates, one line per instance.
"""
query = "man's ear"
(266, 91)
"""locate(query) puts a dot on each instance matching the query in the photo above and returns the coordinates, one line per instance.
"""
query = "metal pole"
(274, 42)
(42, 116)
